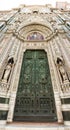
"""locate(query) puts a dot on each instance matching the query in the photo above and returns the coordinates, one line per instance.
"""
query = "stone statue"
(7, 70)
(62, 71)
(6, 73)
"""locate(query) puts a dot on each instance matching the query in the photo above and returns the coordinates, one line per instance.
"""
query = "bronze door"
(35, 98)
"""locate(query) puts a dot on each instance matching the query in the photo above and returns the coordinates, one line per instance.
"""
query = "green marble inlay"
(65, 100)
(3, 115)
(35, 94)
(66, 115)
(4, 100)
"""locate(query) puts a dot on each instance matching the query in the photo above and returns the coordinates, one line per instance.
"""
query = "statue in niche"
(7, 70)
(62, 71)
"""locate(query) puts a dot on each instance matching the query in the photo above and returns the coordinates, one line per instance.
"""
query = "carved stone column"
(14, 85)
(55, 84)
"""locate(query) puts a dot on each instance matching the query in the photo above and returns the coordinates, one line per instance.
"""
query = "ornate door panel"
(35, 100)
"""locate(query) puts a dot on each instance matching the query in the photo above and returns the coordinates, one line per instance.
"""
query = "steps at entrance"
(34, 126)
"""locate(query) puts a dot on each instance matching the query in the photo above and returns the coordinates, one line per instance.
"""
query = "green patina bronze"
(35, 98)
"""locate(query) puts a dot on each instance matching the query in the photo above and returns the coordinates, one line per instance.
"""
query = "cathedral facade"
(35, 68)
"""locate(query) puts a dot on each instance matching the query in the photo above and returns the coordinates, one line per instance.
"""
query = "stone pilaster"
(55, 83)
(15, 84)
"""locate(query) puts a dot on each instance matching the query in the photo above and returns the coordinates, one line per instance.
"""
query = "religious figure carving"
(62, 71)
(7, 73)
(7, 70)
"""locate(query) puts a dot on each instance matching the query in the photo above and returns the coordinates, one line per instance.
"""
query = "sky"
(9, 4)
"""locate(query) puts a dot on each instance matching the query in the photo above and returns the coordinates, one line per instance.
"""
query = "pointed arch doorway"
(35, 98)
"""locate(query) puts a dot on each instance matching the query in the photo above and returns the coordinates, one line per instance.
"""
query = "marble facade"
(15, 27)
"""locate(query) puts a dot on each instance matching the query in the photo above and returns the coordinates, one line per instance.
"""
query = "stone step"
(34, 126)
(31, 127)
